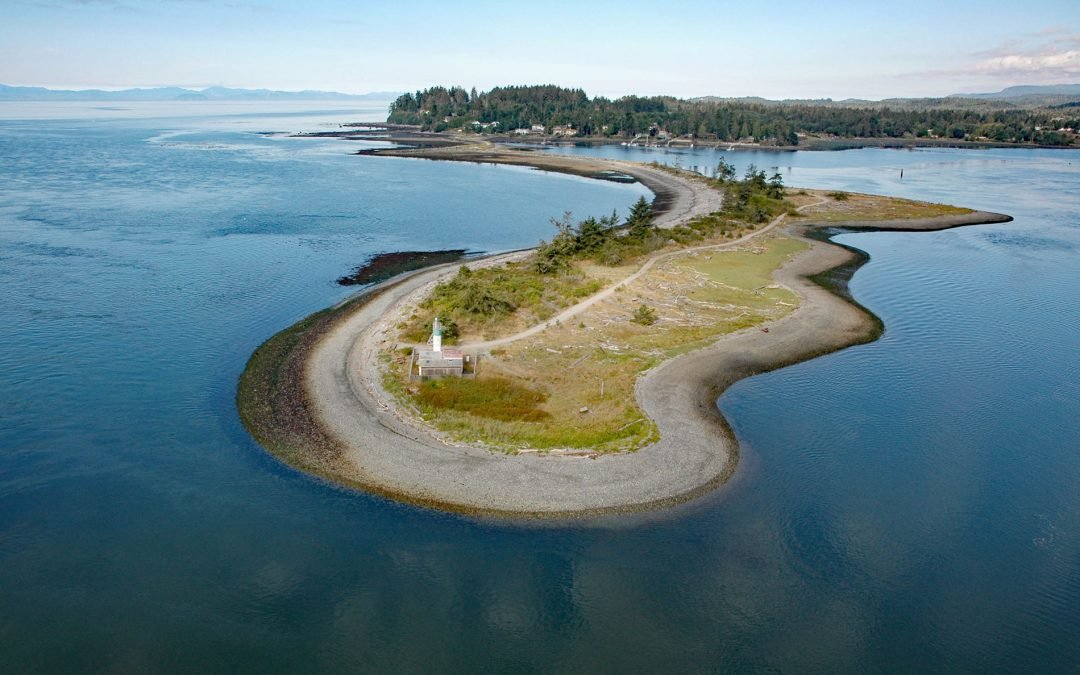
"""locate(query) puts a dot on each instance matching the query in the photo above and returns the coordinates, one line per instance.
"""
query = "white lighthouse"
(436, 336)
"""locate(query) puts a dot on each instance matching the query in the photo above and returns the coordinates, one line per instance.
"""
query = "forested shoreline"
(571, 112)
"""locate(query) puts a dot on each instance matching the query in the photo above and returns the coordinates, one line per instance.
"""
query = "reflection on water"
(905, 505)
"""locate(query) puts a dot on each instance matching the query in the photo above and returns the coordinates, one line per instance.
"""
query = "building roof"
(447, 358)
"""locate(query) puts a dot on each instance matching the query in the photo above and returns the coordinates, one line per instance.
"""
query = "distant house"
(534, 129)
(566, 130)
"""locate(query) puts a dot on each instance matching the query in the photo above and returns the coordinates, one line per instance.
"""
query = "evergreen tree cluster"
(601, 239)
(521, 107)
(754, 199)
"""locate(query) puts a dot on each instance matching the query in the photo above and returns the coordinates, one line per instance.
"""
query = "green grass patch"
(478, 301)
(746, 269)
(494, 398)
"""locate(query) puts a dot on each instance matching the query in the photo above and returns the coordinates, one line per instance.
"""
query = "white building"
(439, 362)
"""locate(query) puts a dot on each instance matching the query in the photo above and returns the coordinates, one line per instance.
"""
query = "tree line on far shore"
(504, 109)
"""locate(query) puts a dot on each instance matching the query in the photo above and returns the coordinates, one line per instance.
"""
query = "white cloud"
(1048, 64)
(1051, 56)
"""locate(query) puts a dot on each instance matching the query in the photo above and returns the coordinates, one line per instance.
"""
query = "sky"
(775, 49)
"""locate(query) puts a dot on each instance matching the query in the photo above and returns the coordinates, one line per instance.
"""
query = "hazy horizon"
(840, 50)
(395, 92)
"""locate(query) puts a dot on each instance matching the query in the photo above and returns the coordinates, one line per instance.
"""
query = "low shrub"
(644, 315)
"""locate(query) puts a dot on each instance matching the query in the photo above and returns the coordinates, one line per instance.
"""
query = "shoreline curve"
(303, 399)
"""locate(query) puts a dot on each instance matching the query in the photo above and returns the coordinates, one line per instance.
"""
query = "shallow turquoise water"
(913, 504)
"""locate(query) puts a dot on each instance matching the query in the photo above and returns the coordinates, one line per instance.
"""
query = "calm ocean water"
(908, 505)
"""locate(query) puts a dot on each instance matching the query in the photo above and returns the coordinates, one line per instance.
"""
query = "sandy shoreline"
(672, 204)
(363, 439)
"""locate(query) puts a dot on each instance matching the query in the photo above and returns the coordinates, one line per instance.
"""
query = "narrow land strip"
(365, 440)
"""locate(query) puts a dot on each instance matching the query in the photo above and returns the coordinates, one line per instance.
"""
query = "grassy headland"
(573, 384)
(578, 377)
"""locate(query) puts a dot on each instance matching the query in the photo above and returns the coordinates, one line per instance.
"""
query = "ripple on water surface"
(910, 504)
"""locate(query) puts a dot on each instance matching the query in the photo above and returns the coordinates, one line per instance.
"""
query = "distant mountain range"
(1024, 96)
(181, 94)
(1028, 90)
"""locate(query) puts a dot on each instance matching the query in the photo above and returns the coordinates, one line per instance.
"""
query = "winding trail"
(606, 293)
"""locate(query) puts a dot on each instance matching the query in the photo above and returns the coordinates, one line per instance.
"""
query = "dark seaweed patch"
(386, 265)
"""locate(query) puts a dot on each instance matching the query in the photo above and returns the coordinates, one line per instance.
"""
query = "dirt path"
(600, 296)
